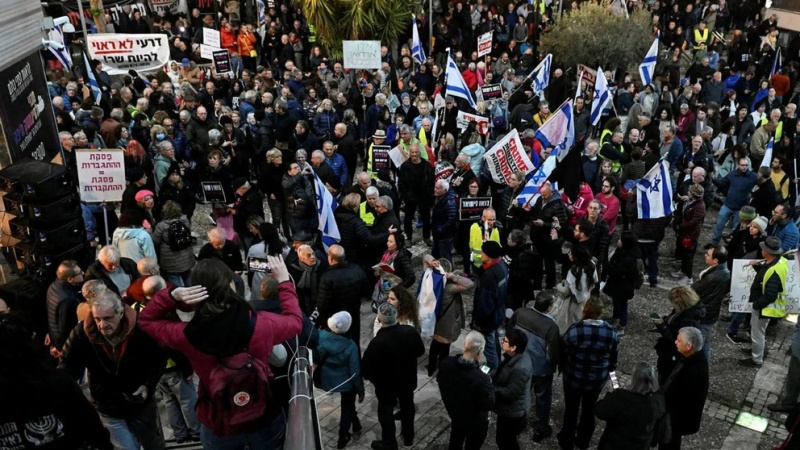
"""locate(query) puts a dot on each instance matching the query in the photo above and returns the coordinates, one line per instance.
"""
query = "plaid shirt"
(590, 350)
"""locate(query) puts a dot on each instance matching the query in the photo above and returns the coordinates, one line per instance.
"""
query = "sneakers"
(620, 331)
(685, 281)
(735, 339)
(748, 362)
(678, 274)
(408, 443)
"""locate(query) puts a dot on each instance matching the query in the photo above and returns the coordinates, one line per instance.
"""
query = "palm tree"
(339, 20)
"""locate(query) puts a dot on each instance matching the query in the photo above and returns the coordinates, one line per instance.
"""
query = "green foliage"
(596, 35)
(338, 20)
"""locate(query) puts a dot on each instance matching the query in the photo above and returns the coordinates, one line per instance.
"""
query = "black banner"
(27, 112)
(213, 192)
(472, 208)
(222, 61)
(380, 158)
(491, 91)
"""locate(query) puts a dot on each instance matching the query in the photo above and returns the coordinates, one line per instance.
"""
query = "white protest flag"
(507, 157)
(602, 96)
(455, 83)
(648, 65)
(558, 131)
(543, 76)
(417, 52)
(326, 204)
(654, 196)
(767, 161)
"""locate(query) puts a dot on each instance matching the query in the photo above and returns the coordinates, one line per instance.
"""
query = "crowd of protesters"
(152, 317)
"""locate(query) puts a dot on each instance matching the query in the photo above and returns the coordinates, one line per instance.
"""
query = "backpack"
(638, 279)
(180, 236)
(238, 393)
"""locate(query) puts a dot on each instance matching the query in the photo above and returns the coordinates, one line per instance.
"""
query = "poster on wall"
(26, 111)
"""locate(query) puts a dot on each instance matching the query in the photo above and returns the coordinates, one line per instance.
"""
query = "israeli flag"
(654, 197)
(543, 76)
(262, 14)
(648, 65)
(776, 63)
(534, 181)
(63, 56)
(558, 131)
(91, 80)
(767, 161)
(601, 96)
(455, 83)
(417, 52)
(326, 204)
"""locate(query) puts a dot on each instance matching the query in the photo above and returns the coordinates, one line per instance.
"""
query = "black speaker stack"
(44, 209)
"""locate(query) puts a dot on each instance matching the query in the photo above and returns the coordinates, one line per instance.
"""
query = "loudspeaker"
(48, 237)
(36, 179)
(43, 262)
(57, 211)
(30, 295)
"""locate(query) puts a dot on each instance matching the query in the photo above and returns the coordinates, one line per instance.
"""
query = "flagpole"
(83, 21)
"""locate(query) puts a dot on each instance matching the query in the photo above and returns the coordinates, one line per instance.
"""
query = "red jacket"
(581, 204)
(227, 40)
(271, 329)
(471, 78)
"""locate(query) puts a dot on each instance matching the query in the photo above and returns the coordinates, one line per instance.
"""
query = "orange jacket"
(227, 40)
(247, 43)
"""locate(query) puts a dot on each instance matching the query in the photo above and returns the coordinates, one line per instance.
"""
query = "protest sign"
(742, 276)
(380, 158)
(507, 157)
(589, 74)
(398, 156)
(222, 61)
(164, 7)
(211, 37)
(463, 119)
(491, 91)
(361, 54)
(120, 53)
(101, 175)
(472, 208)
(213, 192)
(484, 44)
(26, 111)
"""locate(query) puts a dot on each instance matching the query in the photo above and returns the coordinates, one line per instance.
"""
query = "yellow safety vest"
(365, 215)
(778, 308)
(476, 241)
(778, 129)
(698, 37)
(615, 165)
(605, 136)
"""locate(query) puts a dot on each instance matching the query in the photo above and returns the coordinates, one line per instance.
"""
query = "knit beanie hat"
(492, 249)
(340, 322)
(761, 224)
(747, 213)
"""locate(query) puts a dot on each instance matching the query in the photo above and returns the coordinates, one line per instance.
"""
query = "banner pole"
(105, 222)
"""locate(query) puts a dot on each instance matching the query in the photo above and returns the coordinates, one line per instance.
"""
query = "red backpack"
(238, 393)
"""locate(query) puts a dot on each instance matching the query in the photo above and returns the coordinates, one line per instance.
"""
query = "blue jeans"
(492, 350)
(737, 319)
(728, 217)
(180, 398)
(650, 255)
(705, 330)
(128, 433)
(543, 395)
(179, 279)
(270, 438)
(443, 249)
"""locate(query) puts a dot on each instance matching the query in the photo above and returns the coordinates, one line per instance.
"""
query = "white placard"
(485, 44)
(207, 51)
(211, 38)
(742, 277)
(101, 175)
(362, 54)
(120, 53)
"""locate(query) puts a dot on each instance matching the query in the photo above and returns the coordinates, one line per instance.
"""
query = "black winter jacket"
(519, 260)
(630, 419)
(355, 234)
(340, 289)
(298, 193)
(62, 307)
(621, 271)
(512, 386)
(416, 182)
(686, 394)
(545, 211)
(665, 346)
(390, 360)
(488, 308)
(544, 339)
(467, 393)
(711, 287)
(444, 216)
(96, 271)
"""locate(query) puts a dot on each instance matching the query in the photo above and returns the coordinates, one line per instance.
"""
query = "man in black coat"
(467, 394)
(512, 389)
(345, 145)
(712, 286)
(686, 388)
(62, 303)
(416, 178)
(488, 309)
(247, 203)
(390, 363)
(443, 220)
(547, 208)
(463, 175)
(340, 289)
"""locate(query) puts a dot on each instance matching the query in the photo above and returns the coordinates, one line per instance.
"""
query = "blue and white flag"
(648, 65)
(601, 96)
(262, 11)
(417, 52)
(654, 196)
(767, 161)
(558, 131)
(455, 83)
(543, 76)
(63, 56)
(534, 181)
(91, 80)
(326, 204)
(776, 63)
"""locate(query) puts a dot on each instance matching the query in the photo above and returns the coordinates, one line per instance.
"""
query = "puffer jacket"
(355, 235)
(134, 243)
(298, 193)
(172, 261)
(444, 216)
(545, 211)
(512, 386)
(340, 362)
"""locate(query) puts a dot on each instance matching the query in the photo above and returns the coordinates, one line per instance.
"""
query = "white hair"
(693, 337)
(109, 254)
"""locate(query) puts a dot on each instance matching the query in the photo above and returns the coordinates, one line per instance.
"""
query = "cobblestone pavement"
(733, 389)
